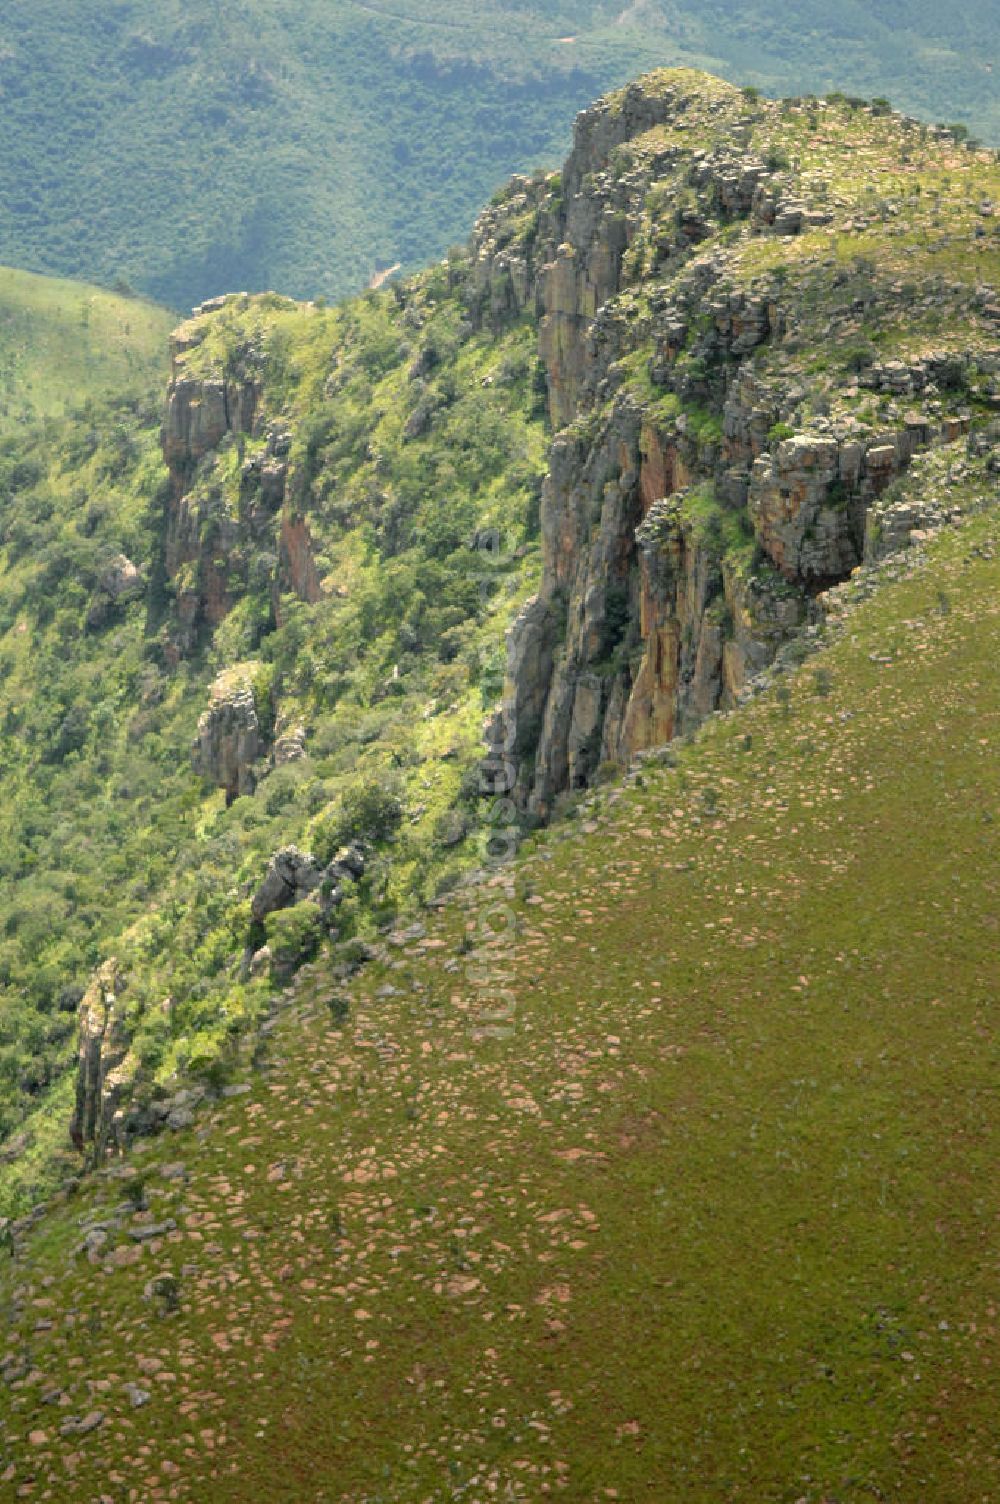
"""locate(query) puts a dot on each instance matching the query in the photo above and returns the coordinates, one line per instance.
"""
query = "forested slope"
(193, 148)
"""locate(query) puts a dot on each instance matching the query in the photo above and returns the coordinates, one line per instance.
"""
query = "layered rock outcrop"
(203, 536)
(293, 876)
(219, 536)
(106, 1066)
(231, 741)
(699, 494)
(200, 413)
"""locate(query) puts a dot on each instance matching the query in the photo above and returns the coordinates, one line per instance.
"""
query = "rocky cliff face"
(106, 1065)
(231, 738)
(710, 473)
(200, 414)
(218, 536)
(723, 422)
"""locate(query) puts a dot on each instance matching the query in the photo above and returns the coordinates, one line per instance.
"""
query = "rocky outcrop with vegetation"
(734, 381)
(106, 1067)
(362, 1070)
(587, 479)
(267, 614)
(231, 738)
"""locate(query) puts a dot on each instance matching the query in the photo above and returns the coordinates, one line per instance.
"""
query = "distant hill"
(197, 147)
(62, 342)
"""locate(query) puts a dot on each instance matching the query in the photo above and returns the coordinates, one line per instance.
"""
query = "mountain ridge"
(191, 150)
(612, 1115)
(325, 538)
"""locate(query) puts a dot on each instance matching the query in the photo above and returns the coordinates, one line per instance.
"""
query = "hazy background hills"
(191, 146)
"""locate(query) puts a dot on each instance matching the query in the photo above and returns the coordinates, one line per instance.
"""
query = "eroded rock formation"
(231, 741)
(106, 1065)
(219, 538)
(698, 497)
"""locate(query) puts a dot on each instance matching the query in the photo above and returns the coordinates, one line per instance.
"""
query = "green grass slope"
(662, 1166)
(195, 148)
(62, 343)
(415, 440)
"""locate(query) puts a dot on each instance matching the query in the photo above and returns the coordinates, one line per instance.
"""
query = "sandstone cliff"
(710, 472)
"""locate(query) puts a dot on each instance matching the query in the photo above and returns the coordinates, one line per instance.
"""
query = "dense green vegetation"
(108, 840)
(193, 148)
(715, 1217)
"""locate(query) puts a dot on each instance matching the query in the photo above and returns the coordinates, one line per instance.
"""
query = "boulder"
(120, 579)
(147, 1231)
(82, 1425)
(290, 746)
(292, 875)
(15, 1147)
(119, 582)
(260, 962)
(350, 862)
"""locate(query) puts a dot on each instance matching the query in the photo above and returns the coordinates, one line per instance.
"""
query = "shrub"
(135, 1193)
(368, 811)
(860, 357)
(339, 1007)
(294, 936)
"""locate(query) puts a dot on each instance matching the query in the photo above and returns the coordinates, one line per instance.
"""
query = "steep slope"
(247, 655)
(662, 1164)
(193, 148)
(312, 609)
(753, 317)
(658, 1159)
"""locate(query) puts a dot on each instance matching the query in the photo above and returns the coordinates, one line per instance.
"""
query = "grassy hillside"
(710, 1213)
(365, 601)
(194, 148)
(62, 343)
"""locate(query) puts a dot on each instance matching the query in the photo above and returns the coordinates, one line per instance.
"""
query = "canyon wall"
(703, 487)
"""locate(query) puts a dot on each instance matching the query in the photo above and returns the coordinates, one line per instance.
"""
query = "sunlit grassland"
(716, 1219)
(62, 342)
